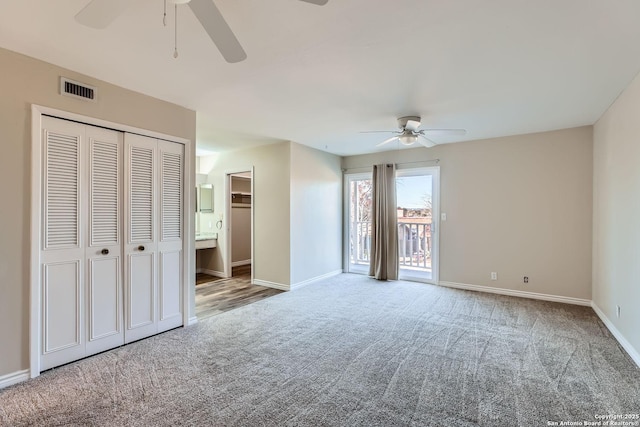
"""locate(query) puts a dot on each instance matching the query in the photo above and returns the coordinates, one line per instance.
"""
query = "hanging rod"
(398, 163)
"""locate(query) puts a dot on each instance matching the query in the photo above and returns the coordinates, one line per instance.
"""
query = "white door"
(171, 157)
(103, 253)
(153, 248)
(61, 249)
(140, 247)
(81, 294)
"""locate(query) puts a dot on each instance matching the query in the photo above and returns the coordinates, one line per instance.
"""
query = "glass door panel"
(416, 196)
(359, 222)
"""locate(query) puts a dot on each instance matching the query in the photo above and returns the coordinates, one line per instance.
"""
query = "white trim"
(14, 378)
(273, 285)
(34, 270)
(188, 241)
(239, 263)
(315, 279)
(347, 178)
(514, 293)
(227, 214)
(214, 273)
(632, 352)
(192, 321)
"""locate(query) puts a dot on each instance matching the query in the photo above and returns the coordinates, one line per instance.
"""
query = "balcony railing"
(414, 244)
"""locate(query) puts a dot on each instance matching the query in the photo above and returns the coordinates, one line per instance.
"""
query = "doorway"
(215, 295)
(417, 195)
(239, 224)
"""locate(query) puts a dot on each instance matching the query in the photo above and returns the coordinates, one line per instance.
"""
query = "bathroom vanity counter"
(206, 240)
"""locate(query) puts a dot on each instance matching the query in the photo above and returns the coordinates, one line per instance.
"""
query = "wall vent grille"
(77, 90)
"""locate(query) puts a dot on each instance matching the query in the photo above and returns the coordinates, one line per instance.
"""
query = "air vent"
(78, 90)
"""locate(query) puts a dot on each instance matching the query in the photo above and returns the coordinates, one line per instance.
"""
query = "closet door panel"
(170, 289)
(62, 313)
(104, 246)
(141, 229)
(141, 292)
(105, 329)
(171, 158)
(61, 248)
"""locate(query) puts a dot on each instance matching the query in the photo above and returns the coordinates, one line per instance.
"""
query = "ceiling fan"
(409, 133)
(100, 13)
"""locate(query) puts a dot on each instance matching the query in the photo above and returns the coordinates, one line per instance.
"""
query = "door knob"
(141, 248)
(105, 252)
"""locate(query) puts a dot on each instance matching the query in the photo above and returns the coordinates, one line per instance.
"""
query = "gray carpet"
(350, 351)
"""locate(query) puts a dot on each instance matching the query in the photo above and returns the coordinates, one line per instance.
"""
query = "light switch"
(443, 216)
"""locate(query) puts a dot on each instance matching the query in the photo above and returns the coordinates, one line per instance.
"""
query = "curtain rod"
(400, 163)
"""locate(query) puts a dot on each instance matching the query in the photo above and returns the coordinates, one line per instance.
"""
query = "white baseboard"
(14, 378)
(273, 285)
(239, 263)
(192, 321)
(633, 353)
(514, 293)
(214, 273)
(315, 279)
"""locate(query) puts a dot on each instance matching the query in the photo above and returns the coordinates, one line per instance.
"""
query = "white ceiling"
(320, 75)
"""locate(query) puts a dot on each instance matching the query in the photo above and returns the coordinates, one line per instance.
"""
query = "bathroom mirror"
(206, 197)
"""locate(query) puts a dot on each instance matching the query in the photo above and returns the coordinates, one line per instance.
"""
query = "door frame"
(36, 220)
(228, 268)
(348, 177)
(434, 171)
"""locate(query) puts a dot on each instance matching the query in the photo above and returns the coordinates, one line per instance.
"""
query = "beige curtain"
(384, 229)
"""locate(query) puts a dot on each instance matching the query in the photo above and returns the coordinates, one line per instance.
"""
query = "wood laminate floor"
(215, 295)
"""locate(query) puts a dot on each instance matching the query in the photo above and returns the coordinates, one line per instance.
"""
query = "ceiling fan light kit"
(409, 133)
(408, 138)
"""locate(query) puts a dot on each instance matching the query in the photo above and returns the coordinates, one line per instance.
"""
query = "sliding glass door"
(417, 195)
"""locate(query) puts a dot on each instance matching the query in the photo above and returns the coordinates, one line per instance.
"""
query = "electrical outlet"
(494, 275)
(617, 311)
(526, 279)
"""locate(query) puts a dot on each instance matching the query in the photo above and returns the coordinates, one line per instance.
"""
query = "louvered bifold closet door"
(104, 249)
(61, 248)
(141, 302)
(171, 157)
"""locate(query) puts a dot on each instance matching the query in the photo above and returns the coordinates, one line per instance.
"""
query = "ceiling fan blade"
(99, 14)
(426, 141)
(412, 125)
(445, 132)
(386, 141)
(218, 29)
(380, 131)
(318, 2)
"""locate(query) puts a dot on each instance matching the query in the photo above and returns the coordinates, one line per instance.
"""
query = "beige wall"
(27, 81)
(297, 207)
(270, 202)
(519, 206)
(316, 213)
(616, 214)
